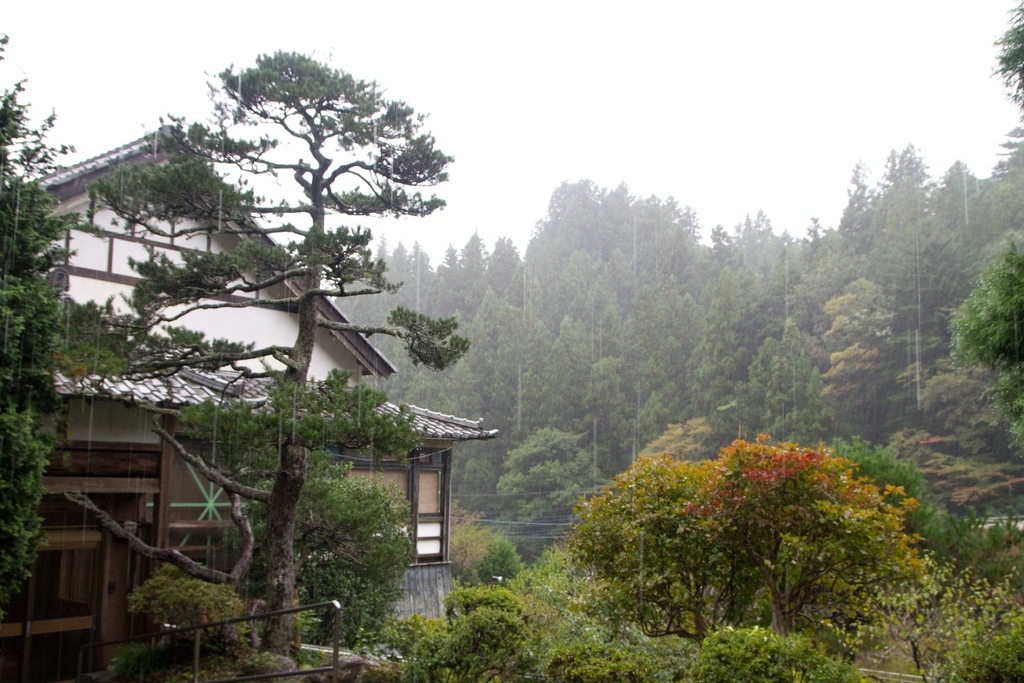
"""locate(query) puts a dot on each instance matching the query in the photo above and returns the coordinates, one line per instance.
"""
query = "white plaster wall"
(89, 251)
(270, 327)
(83, 289)
(331, 353)
(102, 420)
(105, 219)
(197, 242)
(261, 325)
(124, 250)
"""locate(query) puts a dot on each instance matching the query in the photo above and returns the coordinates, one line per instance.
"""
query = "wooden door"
(45, 626)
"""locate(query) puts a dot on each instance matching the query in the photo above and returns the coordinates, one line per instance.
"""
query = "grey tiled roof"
(441, 426)
(174, 391)
(99, 163)
(189, 387)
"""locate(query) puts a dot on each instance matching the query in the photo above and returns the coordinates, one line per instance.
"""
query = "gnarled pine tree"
(350, 152)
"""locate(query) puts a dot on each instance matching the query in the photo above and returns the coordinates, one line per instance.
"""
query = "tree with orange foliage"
(765, 529)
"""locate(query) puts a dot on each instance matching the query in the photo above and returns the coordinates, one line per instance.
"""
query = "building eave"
(190, 387)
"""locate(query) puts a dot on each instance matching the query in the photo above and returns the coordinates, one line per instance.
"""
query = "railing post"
(337, 628)
(198, 629)
(195, 656)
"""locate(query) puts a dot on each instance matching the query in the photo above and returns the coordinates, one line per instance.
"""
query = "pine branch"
(343, 169)
(234, 227)
(186, 564)
(244, 560)
(338, 292)
(144, 367)
(280, 209)
(213, 305)
(321, 534)
(368, 330)
(212, 474)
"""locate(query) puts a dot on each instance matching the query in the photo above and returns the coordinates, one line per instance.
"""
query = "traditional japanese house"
(79, 585)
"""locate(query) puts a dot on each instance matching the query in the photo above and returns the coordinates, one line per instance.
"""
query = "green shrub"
(757, 654)
(354, 546)
(991, 657)
(386, 672)
(260, 663)
(399, 638)
(465, 600)
(583, 662)
(480, 641)
(173, 597)
(478, 647)
(501, 560)
(231, 665)
(135, 660)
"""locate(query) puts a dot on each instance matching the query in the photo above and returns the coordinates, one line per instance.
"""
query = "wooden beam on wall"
(102, 484)
(104, 463)
(446, 502)
(162, 503)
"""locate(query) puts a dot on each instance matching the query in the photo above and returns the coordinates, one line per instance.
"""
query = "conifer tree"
(29, 316)
(350, 153)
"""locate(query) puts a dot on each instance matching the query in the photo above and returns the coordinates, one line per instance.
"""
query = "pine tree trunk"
(284, 497)
(279, 546)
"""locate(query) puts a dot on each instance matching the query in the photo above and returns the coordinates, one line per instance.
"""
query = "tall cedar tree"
(29, 316)
(986, 328)
(987, 332)
(1011, 56)
(350, 152)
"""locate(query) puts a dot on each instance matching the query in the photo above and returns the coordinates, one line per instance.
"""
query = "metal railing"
(197, 638)
(891, 676)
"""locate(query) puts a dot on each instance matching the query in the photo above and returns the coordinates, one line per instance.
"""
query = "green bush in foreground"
(757, 654)
(584, 662)
(480, 640)
(134, 661)
(991, 657)
(173, 597)
(237, 663)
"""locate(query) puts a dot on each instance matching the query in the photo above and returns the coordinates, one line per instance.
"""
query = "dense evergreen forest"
(623, 329)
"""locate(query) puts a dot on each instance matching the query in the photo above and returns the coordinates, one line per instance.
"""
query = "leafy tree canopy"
(757, 655)
(779, 528)
(353, 546)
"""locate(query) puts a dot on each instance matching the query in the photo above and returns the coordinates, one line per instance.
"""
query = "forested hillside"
(622, 328)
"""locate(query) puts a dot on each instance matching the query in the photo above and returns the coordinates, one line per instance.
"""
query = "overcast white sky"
(729, 107)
